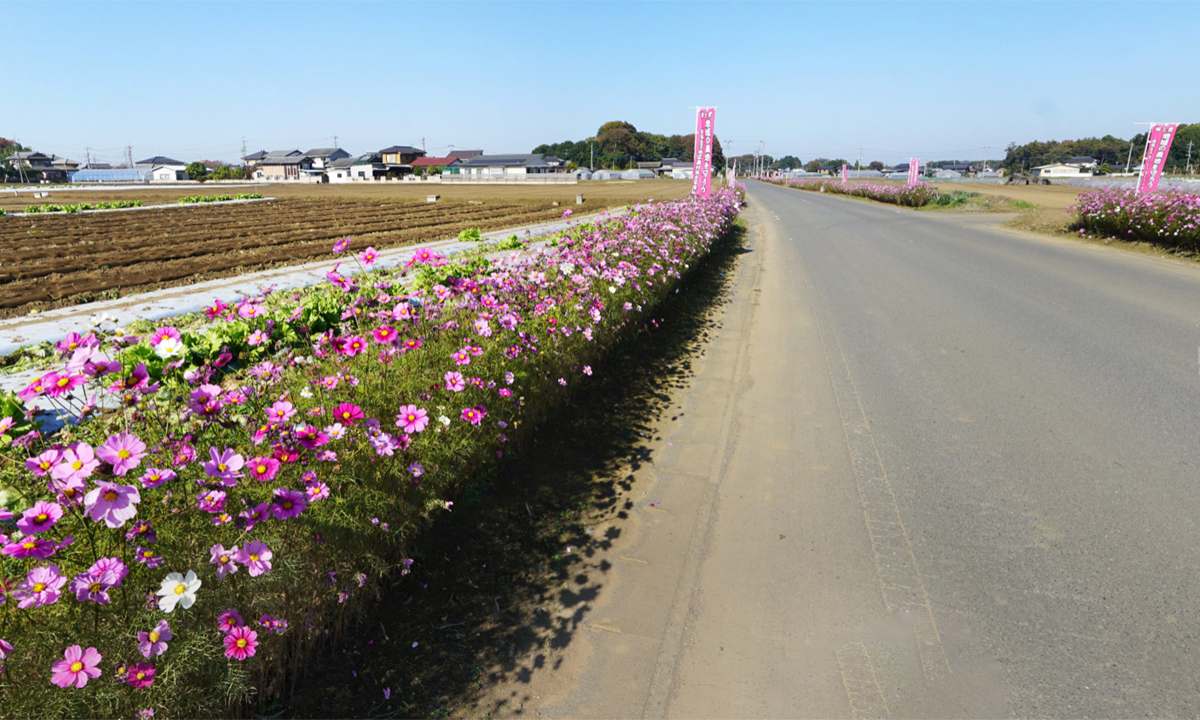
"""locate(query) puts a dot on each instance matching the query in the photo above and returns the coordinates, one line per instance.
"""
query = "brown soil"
(49, 261)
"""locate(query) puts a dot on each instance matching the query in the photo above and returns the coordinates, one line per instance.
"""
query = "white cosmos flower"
(178, 590)
(168, 347)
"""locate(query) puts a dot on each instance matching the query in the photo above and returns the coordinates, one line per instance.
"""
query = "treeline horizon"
(618, 144)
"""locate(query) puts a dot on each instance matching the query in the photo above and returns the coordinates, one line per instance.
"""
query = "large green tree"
(197, 171)
(619, 144)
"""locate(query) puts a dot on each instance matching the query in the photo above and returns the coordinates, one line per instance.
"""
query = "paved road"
(930, 468)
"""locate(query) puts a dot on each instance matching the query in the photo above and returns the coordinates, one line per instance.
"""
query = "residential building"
(32, 161)
(160, 160)
(252, 160)
(397, 155)
(515, 165)
(447, 163)
(365, 168)
(321, 157)
(464, 154)
(1084, 162)
(287, 168)
(1061, 170)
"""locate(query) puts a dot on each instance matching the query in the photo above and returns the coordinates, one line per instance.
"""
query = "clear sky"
(937, 80)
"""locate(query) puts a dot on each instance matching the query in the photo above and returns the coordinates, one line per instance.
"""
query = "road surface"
(928, 468)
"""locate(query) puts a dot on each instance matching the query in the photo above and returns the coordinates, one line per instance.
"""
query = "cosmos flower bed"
(1170, 218)
(225, 498)
(917, 195)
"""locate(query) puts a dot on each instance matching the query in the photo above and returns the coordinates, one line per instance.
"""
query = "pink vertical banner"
(1158, 144)
(845, 172)
(702, 154)
(914, 170)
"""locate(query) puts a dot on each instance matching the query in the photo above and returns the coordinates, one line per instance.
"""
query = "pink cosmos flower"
(341, 245)
(310, 437)
(58, 385)
(77, 464)
(224, 560)
(110, 563)
(229, 621)
(416, 469)
(215, 310)
(211, 501)
(147, 557)
(29, 547)
(369, 256)
(93, 586)
(412, 418)
(6, 649)
(508, 378)
(256, 556)
(155, 642)
(454, 381)
(141, 675)
(40, 587)
(154, 477)
(76, 667)
(472, 416)
(258, 337)
(287, 504)
(272, 623)
(123, 451)
(385, 335)
(281, 411)
(462, 357)
(33, 389)
(112, 504)
(164, 333)
(587, 369)
(42, 464)
(74, 341)
(240, 643)
(224, 466)
(347, 413)
(316, 491)
(411, 344)
(263, 469)
(40, 518)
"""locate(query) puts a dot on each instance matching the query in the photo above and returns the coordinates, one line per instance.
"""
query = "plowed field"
(56, 260)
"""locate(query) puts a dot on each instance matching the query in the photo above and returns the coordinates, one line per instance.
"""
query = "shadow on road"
(485, 601)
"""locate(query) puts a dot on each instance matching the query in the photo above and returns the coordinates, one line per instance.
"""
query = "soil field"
(606, 193)
(51, 261)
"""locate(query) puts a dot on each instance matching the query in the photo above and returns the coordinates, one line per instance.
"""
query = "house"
(428, 163)
(398, 155)
(464, 154)
(31, 161)
(1060, 170)
(160, 160)
(321, 157)
(1084, 162)
(497, 166)
(364, 168)
(293, 168)
(960, 168)
(252, 160)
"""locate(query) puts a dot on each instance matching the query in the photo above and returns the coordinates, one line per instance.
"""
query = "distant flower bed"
(222, 500)
(1165, 218)
(917, 195)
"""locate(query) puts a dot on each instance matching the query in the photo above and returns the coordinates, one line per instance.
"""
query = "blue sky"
(936, 80)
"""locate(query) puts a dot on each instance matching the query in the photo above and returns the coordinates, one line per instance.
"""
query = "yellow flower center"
(41, 518)
(63, 381)
(346, 414)
(78, 464)
(261, 469)
(180, 588)
(29, 544)
(222, 467)
(141, 676)
(147, 553)
(44, 465)
(72, 346)
(155, 478)
(95, 586)
(154, 636)
(68, 492)
(123, 453)
(254, 557)
(110, 495)
(38, 587)
(242, 642)
(76, 666)
(224, 559)
(287, 504)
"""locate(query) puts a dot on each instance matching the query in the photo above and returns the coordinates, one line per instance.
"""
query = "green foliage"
(193, 199)
(197, 171)
(229, 172)
(247, 196)
(428, 276)
(618, 143)
(470, 235)
(512, 242)
(1023, 205)
(76, 207)
(953, 199)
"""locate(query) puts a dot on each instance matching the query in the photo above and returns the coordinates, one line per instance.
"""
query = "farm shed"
(639, 174)
(1060, 170)
(946, 174)
(682, 172)
(606, 175)
(583, 174)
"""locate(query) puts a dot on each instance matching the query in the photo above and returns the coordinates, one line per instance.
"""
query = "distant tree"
(787, 161)
(197, 171)
(876, 165)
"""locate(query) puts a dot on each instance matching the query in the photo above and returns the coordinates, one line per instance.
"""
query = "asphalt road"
(929, 468)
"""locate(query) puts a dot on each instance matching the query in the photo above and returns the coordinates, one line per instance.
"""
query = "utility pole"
(335, 142)
(422, 144)
(592, 153)
(87, 155)
(859, 165)
(1189, 160)
(243, 148)
(129, 157)
(987, 150)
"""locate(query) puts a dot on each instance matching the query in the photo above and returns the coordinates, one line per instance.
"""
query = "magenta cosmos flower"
(123, 451)
(263, 469)
(224, 560)
(93, 586)
(256, 556)
(40, 518)
(42, 464)
(385, 335)
(369, 256)
(474, 415)
(280, 412)
(229, 621)
(240, 643)
(29, 547)
(287, 504)
(40, 587)
(347, 413)
(341, 245)
(155, 642)
(454, 381)
(141, 675)
(412, 419)
(76, 667)
(112, 504)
